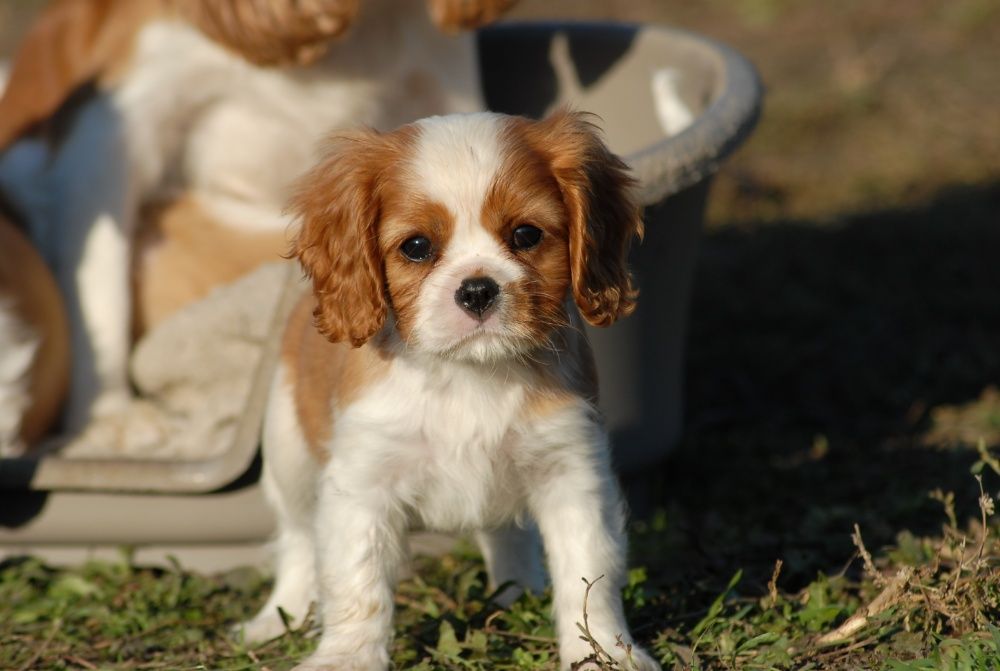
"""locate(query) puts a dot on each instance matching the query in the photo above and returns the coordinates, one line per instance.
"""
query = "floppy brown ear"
(604, 216)
(272, 32)
(452, 16)
(337, 206)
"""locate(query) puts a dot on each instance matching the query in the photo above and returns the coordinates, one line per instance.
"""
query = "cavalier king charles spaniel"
(438, 375)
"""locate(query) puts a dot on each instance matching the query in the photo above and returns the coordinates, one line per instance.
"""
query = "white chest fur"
(445, 440)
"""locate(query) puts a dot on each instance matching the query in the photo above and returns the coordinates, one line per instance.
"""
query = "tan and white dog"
(439, 374)
(115, 107)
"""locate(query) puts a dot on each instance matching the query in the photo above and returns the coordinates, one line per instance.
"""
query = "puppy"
(439, 374)
(114, 105)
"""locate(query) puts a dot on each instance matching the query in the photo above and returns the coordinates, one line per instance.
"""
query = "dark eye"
(526, 236)
(417, 248)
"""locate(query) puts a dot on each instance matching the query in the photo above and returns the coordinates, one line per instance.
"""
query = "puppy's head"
(471, 230)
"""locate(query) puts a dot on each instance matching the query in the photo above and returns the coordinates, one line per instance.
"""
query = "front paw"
(639, 660)
(354, 661)
(136, 429)
(627, 659)
(263, 627)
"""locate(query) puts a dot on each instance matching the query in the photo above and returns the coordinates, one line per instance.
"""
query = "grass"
(920, 603)
(842, 374)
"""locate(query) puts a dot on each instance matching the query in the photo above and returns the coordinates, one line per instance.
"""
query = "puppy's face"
(471, 230)
(474, 240)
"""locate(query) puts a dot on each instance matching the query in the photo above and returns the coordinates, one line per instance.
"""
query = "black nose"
(477, 294)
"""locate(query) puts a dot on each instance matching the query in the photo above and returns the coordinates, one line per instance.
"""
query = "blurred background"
(844, 355)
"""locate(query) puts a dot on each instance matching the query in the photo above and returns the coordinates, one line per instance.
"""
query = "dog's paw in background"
(138, 427)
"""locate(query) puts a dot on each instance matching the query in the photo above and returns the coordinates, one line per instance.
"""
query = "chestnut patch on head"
(525, 212)
(340, 205)
(602, 215)
(407, 215)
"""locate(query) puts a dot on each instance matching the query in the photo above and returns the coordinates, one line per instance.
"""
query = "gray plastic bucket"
(211, 512)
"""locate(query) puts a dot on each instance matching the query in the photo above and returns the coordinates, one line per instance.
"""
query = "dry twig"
(600, 657)
(772, 584)
(866, 557)
(889, 597)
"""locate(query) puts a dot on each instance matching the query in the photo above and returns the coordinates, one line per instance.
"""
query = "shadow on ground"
(820, 359)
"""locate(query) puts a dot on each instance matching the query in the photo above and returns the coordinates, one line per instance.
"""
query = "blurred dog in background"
(159, 136)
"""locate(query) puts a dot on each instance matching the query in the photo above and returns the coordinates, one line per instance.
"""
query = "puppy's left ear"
(604, 216)
(338, 208)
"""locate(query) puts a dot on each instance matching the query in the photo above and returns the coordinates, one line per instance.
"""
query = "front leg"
(580, 514)
(360, 542)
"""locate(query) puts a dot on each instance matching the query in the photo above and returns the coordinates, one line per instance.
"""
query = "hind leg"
(288, 482)
(513, 554)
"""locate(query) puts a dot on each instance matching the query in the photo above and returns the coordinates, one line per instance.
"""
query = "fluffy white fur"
(435, 444)
(189, 115)
(442, 441)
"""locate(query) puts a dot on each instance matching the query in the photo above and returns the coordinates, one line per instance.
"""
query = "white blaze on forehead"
(455, 162)
(457, 158)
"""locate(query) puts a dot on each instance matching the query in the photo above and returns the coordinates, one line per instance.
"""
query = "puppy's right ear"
(337, 206)
(604, 216)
